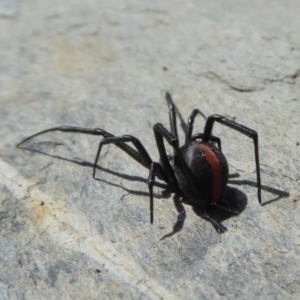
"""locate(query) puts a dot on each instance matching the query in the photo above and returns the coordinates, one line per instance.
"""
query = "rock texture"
(107, 64)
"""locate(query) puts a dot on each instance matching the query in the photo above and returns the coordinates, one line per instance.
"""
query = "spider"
(198, 170)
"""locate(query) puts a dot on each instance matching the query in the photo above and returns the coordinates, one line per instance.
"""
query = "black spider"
(198, 171)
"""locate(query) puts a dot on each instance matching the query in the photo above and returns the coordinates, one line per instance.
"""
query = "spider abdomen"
(209, 167)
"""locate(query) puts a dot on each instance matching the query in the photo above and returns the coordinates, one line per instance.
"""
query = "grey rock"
(105, 64)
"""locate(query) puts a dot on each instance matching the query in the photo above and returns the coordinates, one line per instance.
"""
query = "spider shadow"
(232, 204)
(166, 192)
(279, 193)
(214, 214)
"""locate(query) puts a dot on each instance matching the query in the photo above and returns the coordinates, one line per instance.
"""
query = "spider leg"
(180, 217)
(217, 225)
(97, 131)
(190, 124)
(162, 133)
(143, 158)
(211, 138)
(242, 129)
(154, 168)
(172, 116)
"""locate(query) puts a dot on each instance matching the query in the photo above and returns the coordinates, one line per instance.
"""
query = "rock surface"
(107, 65)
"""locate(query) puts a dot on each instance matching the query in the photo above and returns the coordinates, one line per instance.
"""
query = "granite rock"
(105, 64)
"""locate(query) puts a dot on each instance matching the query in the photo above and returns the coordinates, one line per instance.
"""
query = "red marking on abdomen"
(216, 171)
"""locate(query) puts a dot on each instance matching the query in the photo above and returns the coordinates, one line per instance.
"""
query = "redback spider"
(198, 171)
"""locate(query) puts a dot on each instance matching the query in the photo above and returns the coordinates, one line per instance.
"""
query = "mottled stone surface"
(107, 64)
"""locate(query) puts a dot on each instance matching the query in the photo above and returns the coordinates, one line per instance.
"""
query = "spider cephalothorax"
(197, 171)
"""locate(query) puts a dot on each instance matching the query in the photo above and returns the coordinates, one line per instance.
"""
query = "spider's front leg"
(189, 130)
(211, 138)
(242, 129)
(162, 133)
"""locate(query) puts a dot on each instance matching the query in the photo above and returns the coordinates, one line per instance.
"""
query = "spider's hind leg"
(155, 169)
(73, 129)
(142, 156)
